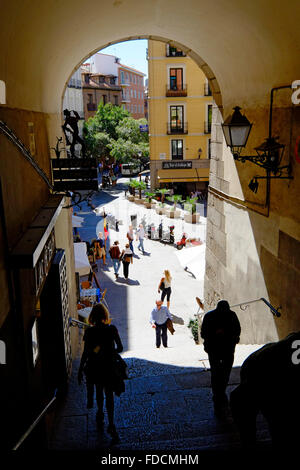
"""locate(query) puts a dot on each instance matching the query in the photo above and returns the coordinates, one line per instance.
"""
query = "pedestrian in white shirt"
(140, 235)
(158, 319)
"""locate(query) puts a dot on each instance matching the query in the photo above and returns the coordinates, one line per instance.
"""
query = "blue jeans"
(131, 245)
(116, 263)
(141, 244)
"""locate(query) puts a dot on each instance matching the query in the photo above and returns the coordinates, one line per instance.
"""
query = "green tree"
(112, 132)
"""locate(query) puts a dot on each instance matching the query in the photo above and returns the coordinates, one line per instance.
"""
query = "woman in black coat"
(98, 363)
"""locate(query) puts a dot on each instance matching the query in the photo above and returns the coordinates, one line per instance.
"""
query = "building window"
(116, 98)
(176, 118)
(90, 98)
(104, 98)
(112, 80)
(177, 149)
(87, 78)
(174, 52)
(176, 79)
(134, 93)
(101, 79)
(207, 124)
(122, 77)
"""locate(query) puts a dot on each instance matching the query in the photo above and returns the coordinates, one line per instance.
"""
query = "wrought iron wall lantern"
(236, 130)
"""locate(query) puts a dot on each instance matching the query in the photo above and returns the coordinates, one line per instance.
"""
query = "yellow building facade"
(180, 110)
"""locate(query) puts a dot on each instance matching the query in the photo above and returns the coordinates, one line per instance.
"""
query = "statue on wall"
(71, 126)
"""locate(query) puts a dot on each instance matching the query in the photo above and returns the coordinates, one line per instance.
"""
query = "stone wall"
(252, 249)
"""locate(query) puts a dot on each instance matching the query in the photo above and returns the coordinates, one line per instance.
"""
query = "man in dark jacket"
(221, 332)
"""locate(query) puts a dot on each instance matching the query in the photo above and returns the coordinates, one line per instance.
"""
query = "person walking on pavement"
(126, 257)
(165, 287)
(140, 235)
(158, 319)
(115, 255)
(221, 332)
(101, 249)
(102, 344)
(130, 238)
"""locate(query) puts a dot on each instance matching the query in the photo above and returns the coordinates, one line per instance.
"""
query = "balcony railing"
(176, 90)
(207, 127)
(177, 128)
(207, 90)
(91, 106)
(124, 83)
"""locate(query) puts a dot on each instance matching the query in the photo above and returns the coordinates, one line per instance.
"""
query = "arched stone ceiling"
(248, 46)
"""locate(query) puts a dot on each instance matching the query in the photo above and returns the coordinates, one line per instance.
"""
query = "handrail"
(244, 306)
(33, 425)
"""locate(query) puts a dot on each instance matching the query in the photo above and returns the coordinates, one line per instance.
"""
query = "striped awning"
(183, 175)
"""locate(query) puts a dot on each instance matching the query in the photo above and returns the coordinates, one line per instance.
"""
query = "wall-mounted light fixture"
(199, 153)
(236, 129)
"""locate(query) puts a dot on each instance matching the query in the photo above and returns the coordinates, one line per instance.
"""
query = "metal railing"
(179, 89)
(244, 305)
(35, 423)
(173, 128)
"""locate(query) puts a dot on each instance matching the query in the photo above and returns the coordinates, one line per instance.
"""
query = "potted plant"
(173, 212)
(160, 208)
(190, 206)
(148, 200)
(133, 184)
(140, 186)
(162, 192)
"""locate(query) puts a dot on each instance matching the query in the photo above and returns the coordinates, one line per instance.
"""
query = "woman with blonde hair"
(165, 287)
(102, 344)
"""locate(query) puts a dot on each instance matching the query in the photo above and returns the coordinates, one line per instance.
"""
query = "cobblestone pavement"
(167, 404)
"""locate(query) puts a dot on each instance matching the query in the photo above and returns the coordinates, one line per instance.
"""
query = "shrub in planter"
(162, 193)
(173, 212)
(148, 200)
(194, 327)
(134, 184)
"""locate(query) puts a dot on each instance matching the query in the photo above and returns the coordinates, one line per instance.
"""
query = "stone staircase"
(165, 407)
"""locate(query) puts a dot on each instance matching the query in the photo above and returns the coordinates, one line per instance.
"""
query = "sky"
(131, 53)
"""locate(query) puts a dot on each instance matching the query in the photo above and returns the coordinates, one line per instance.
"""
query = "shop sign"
(44, 262)
(176, 165)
